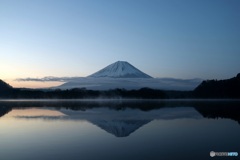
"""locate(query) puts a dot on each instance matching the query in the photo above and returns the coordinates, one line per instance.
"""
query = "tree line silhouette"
(229, 88)
(82, 93)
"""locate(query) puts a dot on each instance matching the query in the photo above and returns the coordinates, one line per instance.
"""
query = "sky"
(75, 38)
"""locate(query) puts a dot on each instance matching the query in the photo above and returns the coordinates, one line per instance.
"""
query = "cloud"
(127, 83)
(49, 79)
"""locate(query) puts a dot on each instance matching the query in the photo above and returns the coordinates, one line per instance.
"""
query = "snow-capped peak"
(120, 69)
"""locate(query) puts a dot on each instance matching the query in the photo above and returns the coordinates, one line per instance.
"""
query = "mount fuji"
(120, 69)
(123, 75)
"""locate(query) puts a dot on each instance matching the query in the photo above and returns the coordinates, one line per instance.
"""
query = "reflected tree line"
(208, 109)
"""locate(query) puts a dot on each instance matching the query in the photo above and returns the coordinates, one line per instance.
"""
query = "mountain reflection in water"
(120, 118)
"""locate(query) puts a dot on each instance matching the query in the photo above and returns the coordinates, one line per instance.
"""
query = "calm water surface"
(118, 130)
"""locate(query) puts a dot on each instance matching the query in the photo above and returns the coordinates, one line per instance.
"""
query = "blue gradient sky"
(163, 38)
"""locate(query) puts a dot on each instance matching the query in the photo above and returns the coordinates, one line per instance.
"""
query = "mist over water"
(118, 129)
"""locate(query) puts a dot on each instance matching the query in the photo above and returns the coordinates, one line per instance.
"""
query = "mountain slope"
(4, 86)
(120, 69)
(121, 74)
(229, 88)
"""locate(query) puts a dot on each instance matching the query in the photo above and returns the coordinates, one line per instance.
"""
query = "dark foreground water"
(118, 130)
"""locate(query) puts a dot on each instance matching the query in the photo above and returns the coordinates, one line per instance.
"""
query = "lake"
(118, 129)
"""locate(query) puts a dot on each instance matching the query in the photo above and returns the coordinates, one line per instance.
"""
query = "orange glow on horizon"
(30, 84)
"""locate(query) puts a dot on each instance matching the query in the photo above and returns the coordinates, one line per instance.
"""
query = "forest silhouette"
(222, 89)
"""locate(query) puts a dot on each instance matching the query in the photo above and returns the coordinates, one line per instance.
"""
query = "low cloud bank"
(49, 79)
(112, 83)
